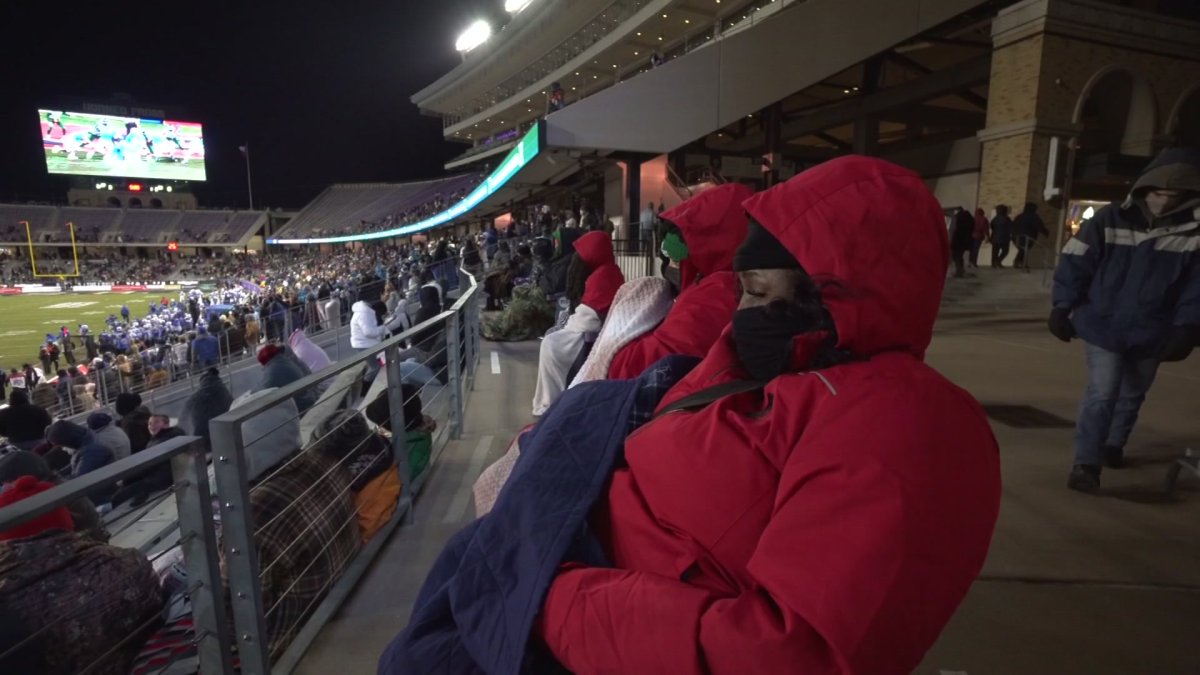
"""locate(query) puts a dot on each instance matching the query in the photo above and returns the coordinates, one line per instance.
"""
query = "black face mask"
(763, 336)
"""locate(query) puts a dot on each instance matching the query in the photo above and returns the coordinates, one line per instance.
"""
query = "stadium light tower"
(475, 35)
(514, 6)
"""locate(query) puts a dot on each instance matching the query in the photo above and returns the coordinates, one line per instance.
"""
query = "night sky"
(320, 90)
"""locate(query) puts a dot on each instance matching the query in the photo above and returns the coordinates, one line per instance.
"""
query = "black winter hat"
(127, 403)
(760, 250)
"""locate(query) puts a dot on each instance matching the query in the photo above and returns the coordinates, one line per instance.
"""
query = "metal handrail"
(197, 537)
(238, 528)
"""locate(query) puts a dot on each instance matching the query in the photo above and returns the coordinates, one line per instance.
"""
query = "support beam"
(905, 62)
(956, 78)
(834, 141)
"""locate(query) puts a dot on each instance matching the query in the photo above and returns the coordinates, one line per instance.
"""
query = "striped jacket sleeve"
(1078, 263)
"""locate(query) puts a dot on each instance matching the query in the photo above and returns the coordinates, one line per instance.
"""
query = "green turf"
(25, 319)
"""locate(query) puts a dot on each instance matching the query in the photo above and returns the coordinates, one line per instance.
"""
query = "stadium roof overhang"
(530, 165)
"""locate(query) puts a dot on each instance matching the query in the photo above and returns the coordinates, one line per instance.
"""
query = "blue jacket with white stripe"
(1128, 278)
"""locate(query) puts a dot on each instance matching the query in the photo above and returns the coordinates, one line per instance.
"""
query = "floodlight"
(475, 35)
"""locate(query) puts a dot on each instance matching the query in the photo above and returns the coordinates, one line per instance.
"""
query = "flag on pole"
(245, 149)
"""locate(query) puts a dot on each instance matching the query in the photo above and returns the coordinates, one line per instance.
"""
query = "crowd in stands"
(303, 494)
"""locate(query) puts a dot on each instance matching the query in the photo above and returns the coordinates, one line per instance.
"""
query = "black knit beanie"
(127, 403)
(760, 250)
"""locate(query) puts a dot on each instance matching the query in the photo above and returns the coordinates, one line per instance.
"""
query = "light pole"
(249, 185)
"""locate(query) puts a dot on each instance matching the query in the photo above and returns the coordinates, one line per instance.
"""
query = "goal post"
(33, 256)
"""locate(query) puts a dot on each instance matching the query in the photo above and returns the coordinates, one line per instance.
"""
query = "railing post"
(453, 361)
(198, 541)
(469, 313)
(399, 425)
(241, 556)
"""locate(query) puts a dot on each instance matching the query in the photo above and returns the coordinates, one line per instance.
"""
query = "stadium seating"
(345, 209)
(126, 226)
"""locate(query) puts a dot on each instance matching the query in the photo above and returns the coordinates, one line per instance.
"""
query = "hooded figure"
(849, 490)
(1129, 285)
(281, 368)
(134, 417)
(211, 400)
(711, 225)
(85, 520)
(23, 423)
(107, 432)
(561, 349)
(87, 453)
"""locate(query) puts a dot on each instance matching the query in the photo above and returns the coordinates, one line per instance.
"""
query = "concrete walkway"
(1090, 584)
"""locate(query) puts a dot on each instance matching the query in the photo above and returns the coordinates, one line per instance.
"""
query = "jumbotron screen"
(87, 144)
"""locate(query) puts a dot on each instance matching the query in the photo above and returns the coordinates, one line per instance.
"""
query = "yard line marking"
(462, 498)
(495, 362)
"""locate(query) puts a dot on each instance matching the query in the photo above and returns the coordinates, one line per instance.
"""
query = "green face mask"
(674, 247)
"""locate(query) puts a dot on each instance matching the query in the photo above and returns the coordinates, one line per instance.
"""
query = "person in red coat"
(596, 264)
(710, 227)
(831, 516)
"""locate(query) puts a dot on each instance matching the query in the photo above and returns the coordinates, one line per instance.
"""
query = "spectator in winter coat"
(211, 400)
(22, 423)
(960, 240)
(1026, 229)
(847, 484)
(596, 266)
(109, 433)
(1129, 285)
(700, 236)
(87, 453)
(281, 368)
(206, 350)
(156, 479)
(134, 417)
(302, 506)
(978, 235)
(83, 513)
(1001, 235)
(366, 333)
(44, 395)
(71, 604)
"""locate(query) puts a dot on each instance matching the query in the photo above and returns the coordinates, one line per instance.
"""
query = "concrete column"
(866, 128)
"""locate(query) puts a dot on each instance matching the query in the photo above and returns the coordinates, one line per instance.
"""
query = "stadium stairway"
(500, 407)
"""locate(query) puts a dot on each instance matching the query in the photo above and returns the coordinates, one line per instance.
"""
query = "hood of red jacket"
(595, 248)
(713, 225)
(875, 230)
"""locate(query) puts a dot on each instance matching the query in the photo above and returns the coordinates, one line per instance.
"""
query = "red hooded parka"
(713, 225)
(605, 278)
(830, 523)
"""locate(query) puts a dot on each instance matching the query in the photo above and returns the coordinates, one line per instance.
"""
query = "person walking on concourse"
(1129, 285)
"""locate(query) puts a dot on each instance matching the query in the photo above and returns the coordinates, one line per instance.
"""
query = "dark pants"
(975, 244)
(1022, 259)
(999, 253)
(959, 265)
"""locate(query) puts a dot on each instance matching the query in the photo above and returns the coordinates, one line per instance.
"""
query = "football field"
(25, 319)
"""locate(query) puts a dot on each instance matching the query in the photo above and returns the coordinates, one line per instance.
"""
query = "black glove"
(1180, 342)
(1060, 324)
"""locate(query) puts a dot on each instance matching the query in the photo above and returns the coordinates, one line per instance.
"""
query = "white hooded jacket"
(365, 330)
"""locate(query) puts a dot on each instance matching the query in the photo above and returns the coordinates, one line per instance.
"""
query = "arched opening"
(135, 203)
(1184, 126)
(156, 203)
(113, 201)
(1118, 114)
